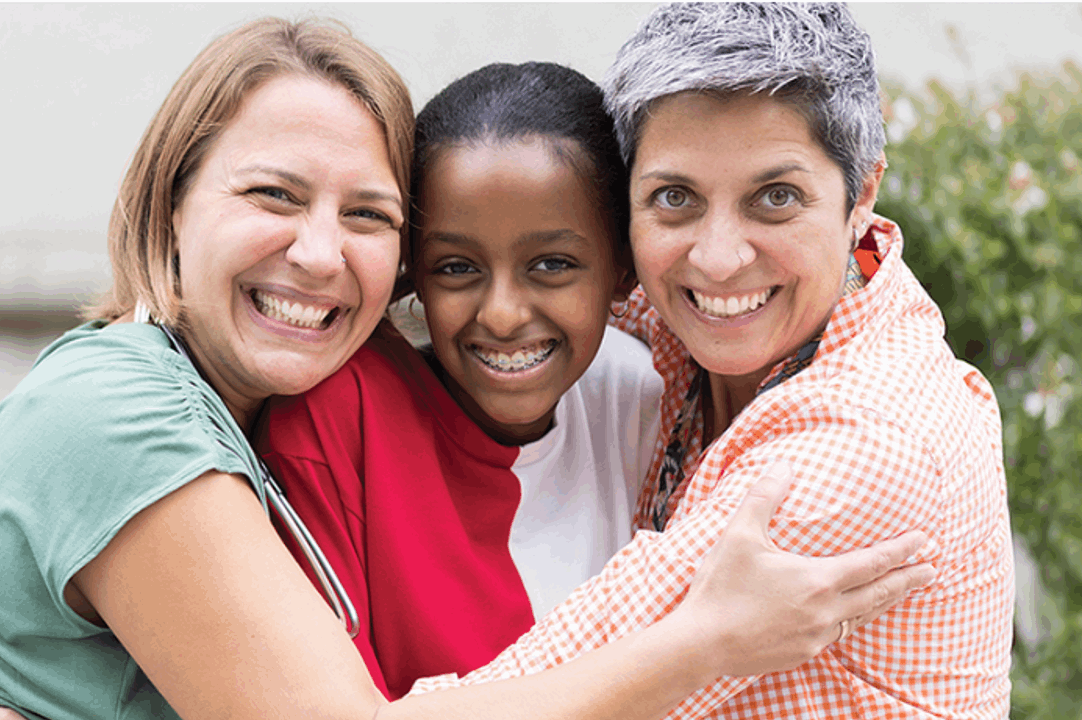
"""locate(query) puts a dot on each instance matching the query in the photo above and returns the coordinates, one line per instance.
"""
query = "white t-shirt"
(581, 480)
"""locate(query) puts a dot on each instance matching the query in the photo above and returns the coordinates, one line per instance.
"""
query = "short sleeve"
(107, 423)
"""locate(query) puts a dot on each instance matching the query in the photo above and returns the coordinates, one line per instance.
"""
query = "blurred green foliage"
(989, 198)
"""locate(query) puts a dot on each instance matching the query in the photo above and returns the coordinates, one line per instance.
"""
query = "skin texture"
(298, 180)
(730, 198)
(515, 255)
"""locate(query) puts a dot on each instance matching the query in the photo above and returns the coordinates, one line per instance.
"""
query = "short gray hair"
(813, 56)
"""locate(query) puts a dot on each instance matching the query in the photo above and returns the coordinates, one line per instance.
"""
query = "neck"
(504, 434)
(244, 409)
(245, 416)
(723, 399)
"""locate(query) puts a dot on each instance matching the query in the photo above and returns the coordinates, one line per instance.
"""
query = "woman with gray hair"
(786, 325)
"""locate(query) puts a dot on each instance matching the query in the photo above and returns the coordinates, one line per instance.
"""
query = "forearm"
(641, 676)
(640, 586)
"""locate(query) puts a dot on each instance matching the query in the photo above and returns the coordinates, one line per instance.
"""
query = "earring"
(623, 312)
(410, 310)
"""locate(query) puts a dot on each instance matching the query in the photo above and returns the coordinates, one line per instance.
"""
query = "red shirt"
(447, 542)
(423, 554)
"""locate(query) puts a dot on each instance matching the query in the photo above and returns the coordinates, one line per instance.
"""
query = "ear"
(862, 211)
(625, 282)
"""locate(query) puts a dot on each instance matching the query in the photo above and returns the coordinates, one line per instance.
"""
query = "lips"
(522, 358)
(294, 312)
(730, 305)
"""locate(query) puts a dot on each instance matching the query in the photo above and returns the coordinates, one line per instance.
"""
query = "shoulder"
(106, 393)
(901, 370)
(620, 356)
(622, 369)
(109, 421)
(128, 349)
(94, 376)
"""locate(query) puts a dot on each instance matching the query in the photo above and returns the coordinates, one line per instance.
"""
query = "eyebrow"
(765, 176)
(300, 182)
(542, 236)
(778, 171)
(551, 236)
(289, 177)
(667, 177)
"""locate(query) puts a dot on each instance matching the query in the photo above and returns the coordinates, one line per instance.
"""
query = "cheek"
(446, 314)
(582, 315)
(379, 266)
(651, 260)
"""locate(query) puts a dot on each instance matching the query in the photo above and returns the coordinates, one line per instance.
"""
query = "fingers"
(765, 496)
(860, 567)
(864, 604)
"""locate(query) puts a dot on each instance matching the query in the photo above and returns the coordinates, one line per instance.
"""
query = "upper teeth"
(293, 313)
(518, 360)
(732, 305)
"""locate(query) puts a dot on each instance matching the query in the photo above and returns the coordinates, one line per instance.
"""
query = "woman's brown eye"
(674, 198)
(779, 197)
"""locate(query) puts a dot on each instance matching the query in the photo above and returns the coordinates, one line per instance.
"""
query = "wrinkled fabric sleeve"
(859, 481)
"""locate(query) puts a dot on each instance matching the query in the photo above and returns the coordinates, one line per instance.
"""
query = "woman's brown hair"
(142, 246)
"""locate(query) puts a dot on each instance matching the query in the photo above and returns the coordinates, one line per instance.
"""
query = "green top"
(108, 421)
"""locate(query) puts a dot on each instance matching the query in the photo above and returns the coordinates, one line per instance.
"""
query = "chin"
(515, 419)
(519, 417)
(295, 384)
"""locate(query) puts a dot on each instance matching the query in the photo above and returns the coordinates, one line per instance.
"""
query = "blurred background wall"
(984, 180)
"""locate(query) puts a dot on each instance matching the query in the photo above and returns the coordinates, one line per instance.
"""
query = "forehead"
(507, 187)
(717, 128)
(310, 121)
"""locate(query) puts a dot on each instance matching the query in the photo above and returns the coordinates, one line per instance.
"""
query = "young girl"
(490, 476)
(508, 465)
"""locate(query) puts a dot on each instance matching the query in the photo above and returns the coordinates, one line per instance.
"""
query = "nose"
(317, 247)
(504, 308)
(720, 248)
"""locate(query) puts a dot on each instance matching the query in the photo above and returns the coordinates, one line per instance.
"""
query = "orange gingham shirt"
(886, 432)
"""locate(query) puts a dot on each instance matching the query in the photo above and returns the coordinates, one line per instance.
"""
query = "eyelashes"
(774, 202)
(281, 201)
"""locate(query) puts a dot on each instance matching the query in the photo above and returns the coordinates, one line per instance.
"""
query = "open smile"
(524, 358)
(295, 313)
(729, 306)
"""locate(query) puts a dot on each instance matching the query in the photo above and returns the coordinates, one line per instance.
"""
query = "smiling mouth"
(522, 359)
(293, 313)
(731, 306)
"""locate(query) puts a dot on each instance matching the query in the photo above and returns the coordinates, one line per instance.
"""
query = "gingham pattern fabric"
(886, 432)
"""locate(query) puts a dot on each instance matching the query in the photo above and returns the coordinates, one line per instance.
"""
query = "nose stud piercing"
(343, 257)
